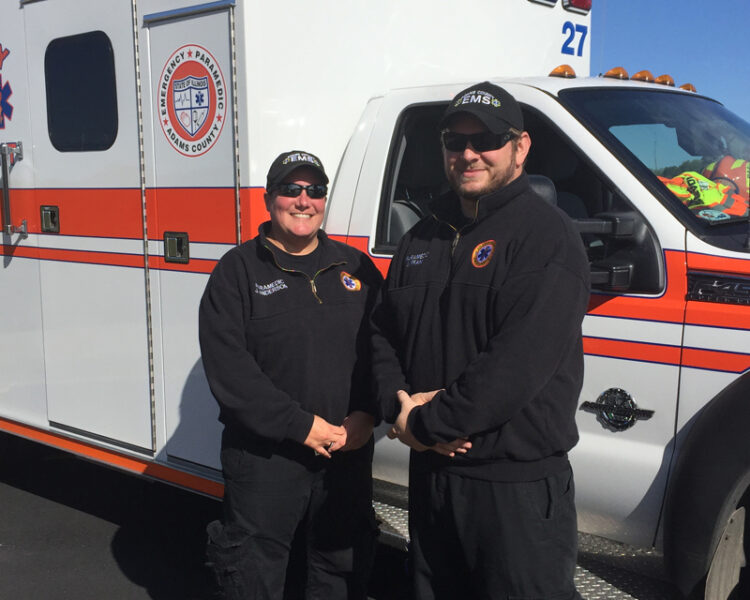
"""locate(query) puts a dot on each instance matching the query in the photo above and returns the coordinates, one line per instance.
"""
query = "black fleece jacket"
(279, 347)
(489, 310)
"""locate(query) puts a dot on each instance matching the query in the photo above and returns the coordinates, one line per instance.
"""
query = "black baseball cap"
(489, 103)
(286, 162)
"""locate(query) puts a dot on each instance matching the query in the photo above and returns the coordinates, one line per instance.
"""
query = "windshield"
(697, 150)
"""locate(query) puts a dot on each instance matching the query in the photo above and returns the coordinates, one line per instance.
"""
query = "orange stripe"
(121, 461)
(196, 265)
(76, 256)
(716, 360)
(252, 211)
(713, 314)
(205, 214)
(361, 243)
(24, 205)
(669, 307)
(717, 264)
(640, 351)
(20, 251)
(85, 212)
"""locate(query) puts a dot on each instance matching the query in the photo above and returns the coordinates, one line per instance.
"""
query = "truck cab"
(667, 333)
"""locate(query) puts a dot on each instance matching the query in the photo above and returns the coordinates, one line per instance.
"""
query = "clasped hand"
(400, 429)
(325, 438)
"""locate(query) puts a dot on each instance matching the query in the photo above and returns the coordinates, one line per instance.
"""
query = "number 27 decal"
(573, 31)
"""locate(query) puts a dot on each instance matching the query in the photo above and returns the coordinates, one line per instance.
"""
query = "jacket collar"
(330, 253)
(448, 206)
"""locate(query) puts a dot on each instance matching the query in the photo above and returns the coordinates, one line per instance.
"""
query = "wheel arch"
(710, 476)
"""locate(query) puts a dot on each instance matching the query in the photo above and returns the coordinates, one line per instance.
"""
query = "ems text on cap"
(489, 103)
(286, 162)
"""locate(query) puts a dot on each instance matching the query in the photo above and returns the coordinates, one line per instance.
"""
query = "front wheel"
(728, 577)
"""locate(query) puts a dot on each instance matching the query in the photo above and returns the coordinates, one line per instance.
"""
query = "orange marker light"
(563, 71)
(617, 73)
(643, 76)
(688, 86)
(665, 80)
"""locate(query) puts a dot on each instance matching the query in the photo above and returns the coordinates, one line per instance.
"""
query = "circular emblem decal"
(192, 100)
(352, 284)
(616, 409)
(483, 254)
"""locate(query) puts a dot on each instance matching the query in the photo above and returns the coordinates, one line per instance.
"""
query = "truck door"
(632, 338)
(22, 393)
(192, 202)
(81, 74)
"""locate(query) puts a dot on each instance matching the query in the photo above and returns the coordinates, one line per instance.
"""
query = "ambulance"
(135, 136)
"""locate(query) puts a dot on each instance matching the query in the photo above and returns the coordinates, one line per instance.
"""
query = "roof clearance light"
(688, 86)
(665, 80)
(643, 76)
(563, 71)
(579, 6)
(617, 73)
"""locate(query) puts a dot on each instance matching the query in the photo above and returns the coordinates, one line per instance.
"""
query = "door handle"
(10, 153)
(176, 247)
(50, 219)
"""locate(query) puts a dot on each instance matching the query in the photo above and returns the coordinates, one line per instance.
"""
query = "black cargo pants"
(271, 502)
(492, 540)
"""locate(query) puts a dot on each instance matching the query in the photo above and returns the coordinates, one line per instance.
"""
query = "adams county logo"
(192, 100)
(483, 254)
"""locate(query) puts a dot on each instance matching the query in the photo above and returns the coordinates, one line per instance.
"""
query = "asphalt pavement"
(71, 529)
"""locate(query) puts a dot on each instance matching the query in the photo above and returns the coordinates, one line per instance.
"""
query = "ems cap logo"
(478, 97)
(302, 157)
(483, 254)
(352, 284)
(192, 100)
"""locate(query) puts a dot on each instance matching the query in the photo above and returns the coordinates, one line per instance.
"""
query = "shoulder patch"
(482, 254)
(352, 284)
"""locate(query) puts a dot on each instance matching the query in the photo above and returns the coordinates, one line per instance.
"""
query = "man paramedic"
(284, 334)
(483, 303)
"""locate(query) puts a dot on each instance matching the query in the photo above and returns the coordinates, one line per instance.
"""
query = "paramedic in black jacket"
(284, 333)
(484, 302)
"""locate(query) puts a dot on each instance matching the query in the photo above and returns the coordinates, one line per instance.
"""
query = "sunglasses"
(292, 190)
(481, 142)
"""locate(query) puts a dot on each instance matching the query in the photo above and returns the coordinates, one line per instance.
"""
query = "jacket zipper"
(457, 237)
(305, 275)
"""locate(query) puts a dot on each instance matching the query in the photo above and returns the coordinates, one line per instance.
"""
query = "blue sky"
(703, 42)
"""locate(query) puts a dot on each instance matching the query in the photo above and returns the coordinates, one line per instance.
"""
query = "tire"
(728, 576)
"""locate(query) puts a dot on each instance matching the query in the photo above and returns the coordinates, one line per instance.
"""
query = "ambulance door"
(83, 95)
(22, 393)
(192, 205)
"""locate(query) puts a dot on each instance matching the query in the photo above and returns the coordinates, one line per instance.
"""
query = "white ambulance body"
(136, 137)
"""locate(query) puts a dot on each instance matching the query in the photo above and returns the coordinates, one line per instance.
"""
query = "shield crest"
(192, 102)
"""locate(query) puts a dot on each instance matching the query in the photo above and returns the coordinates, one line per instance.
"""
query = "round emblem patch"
(192, 100)
(352, 284)
(483, 254)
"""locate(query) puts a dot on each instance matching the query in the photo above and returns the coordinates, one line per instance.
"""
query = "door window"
(79, 75)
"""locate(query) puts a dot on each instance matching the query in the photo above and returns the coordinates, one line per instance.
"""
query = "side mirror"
(628, 252)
